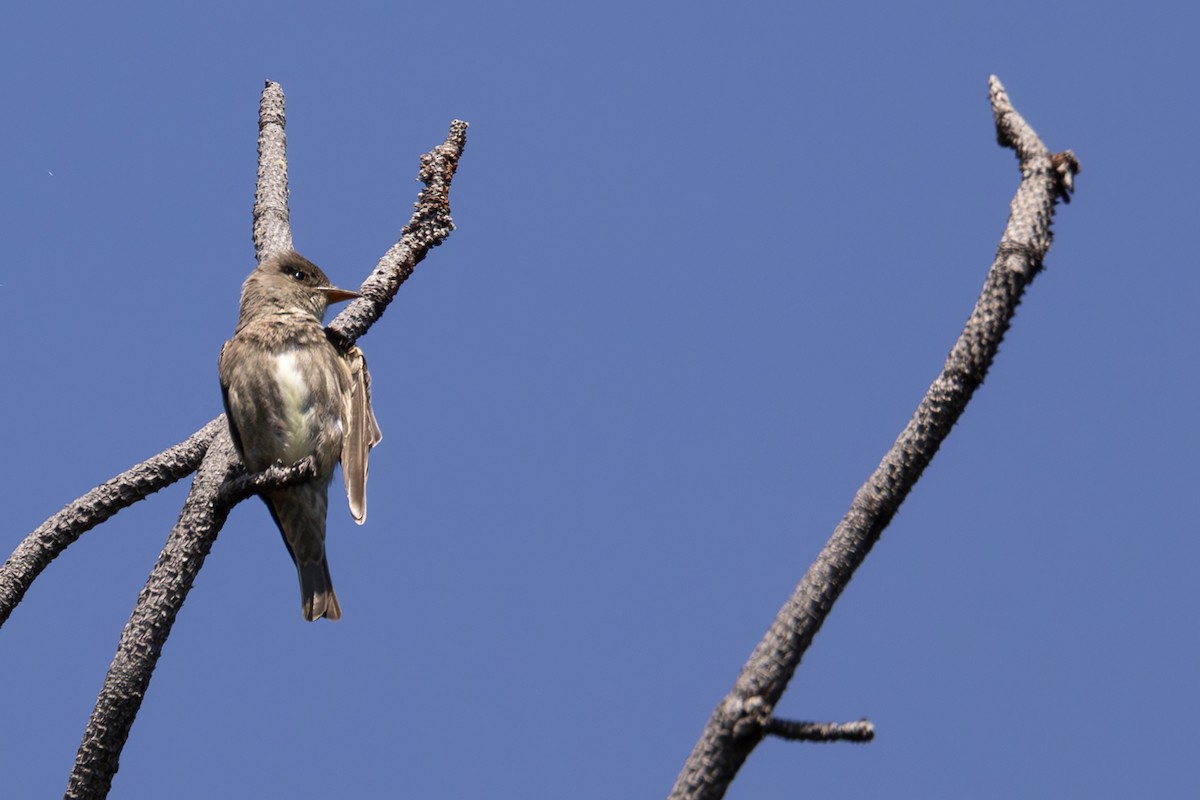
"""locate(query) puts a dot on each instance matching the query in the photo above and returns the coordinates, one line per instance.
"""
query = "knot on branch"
(276, 476)
(1066, 167)
(1019, 257)
(861, 731)
(747, 717)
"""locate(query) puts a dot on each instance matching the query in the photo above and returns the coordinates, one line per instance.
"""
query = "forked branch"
(219, 482)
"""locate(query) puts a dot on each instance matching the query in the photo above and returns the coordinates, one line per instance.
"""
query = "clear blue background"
(709, 257)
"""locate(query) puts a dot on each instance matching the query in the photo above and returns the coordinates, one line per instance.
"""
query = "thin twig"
(740, 720)
(860, 731)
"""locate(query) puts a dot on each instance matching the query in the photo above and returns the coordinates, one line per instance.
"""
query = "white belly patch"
(294, 393)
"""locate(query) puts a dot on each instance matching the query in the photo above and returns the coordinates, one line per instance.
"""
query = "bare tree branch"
(272, 232)
(216, 487)
(272, 227)
(53, 536)
(429, 227)
(276, 476)
(147, 630)
(743, 717)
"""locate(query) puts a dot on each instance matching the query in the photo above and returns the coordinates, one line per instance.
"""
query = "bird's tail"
(317, 598)
(299, 512)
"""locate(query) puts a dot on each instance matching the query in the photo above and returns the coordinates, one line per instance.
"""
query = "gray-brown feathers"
(289, 394)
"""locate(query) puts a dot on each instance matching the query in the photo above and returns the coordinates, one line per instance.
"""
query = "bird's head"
(289, 281)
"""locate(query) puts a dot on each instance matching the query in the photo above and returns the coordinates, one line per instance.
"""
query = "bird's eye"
(298, 274)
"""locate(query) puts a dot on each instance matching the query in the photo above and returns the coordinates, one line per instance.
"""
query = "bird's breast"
(311, 408)
(292, 388)
(296, 407)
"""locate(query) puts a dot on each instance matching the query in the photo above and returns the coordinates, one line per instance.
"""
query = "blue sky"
(707, 261)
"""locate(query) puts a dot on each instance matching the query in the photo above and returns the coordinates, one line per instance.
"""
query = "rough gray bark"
(272, 226)
(220, 483)
(148, 627)
(53, 536)
(745, 715)
(429, 227)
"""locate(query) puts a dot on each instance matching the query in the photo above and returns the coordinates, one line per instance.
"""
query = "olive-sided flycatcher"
(290, 394)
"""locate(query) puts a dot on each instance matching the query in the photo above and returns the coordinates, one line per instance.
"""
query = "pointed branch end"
(442, 162)
(859, 732)
(997, 94)
(1011, 128)
(1005, 115)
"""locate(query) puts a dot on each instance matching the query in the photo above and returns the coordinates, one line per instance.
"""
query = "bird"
(290, 394)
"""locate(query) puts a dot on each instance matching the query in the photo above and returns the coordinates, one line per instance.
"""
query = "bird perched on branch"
(290, 394)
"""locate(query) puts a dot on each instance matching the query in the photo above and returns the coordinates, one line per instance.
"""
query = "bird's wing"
(226, 399)
(362, 433)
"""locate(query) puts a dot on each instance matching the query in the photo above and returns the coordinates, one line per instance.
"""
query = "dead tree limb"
(39, 548)
(220, 482)
(745, 715)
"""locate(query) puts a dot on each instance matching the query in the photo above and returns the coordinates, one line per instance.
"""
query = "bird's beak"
(336, 295)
